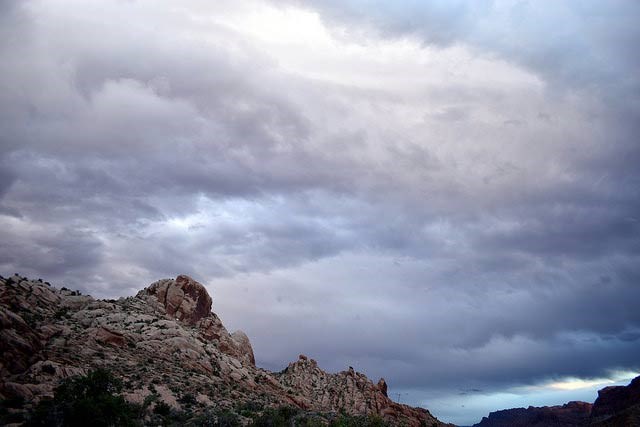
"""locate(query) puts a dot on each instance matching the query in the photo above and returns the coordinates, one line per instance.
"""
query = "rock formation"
(618, 405)
(164, 342)
(188, 302)
(349, 391)
(183, 299)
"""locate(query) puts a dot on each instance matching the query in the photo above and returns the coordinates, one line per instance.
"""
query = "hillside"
(166, 345)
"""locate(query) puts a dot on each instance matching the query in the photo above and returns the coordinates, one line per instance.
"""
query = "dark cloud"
(452, 213)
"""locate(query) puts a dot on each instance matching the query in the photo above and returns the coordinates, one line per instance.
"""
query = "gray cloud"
(465, 206)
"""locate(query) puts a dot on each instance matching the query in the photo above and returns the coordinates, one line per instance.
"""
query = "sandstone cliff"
(164, 341)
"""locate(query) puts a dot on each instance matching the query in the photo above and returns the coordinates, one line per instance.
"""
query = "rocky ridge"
(347, 389)
(616, 398)
(165, 342)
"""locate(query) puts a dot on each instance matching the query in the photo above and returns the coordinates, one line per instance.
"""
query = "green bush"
(281, 417)
(162, 408)
(87, 400)
(227, 419)
(188, 399)
(358, 421)
(310, 420)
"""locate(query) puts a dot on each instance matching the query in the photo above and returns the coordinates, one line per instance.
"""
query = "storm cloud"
(446, 195)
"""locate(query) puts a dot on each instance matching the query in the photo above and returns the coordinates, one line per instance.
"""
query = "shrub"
(227, 419)
(92, 398)
(281, 417)
(188, 399)
(48, 369)
(358, 421)
(162, 408)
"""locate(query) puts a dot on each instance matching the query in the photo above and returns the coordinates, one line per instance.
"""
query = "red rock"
(351, 392)
(107, 336)
(244, 346)
(382, 386)
(20, 343)
(614, 399)
(183, 298)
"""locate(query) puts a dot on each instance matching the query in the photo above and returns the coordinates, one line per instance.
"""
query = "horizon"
(546, 393)
(443, 194)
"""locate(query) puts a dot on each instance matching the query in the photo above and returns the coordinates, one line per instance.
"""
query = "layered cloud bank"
(446, 194)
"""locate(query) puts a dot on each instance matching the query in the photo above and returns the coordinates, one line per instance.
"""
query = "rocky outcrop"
(618, 405)
(183, 299)
(348, 391)
(244, 346)
(382, 386)
(187, 301)
(615, 399)
(20, 343)
(165, 341)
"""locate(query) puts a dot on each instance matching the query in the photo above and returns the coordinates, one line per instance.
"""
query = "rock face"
(20, 343)
(188, 302)
(349, 391)
(618, 405)
(244, 346)
(183, 298)
(164, 341)
(567, 415)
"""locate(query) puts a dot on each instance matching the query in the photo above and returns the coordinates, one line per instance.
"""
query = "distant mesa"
(570, 414)
(617, 406)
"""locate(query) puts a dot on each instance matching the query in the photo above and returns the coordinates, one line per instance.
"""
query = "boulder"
(244, 346)
(382, 386)
(183, 298)
(107, 336)
(20, 343)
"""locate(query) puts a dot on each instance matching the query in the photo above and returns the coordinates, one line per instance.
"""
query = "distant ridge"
(616, 406)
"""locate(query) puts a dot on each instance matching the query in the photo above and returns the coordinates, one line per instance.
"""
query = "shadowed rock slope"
(618, 405)
(164, 341)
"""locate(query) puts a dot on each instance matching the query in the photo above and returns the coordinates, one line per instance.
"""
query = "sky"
(445, 194)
